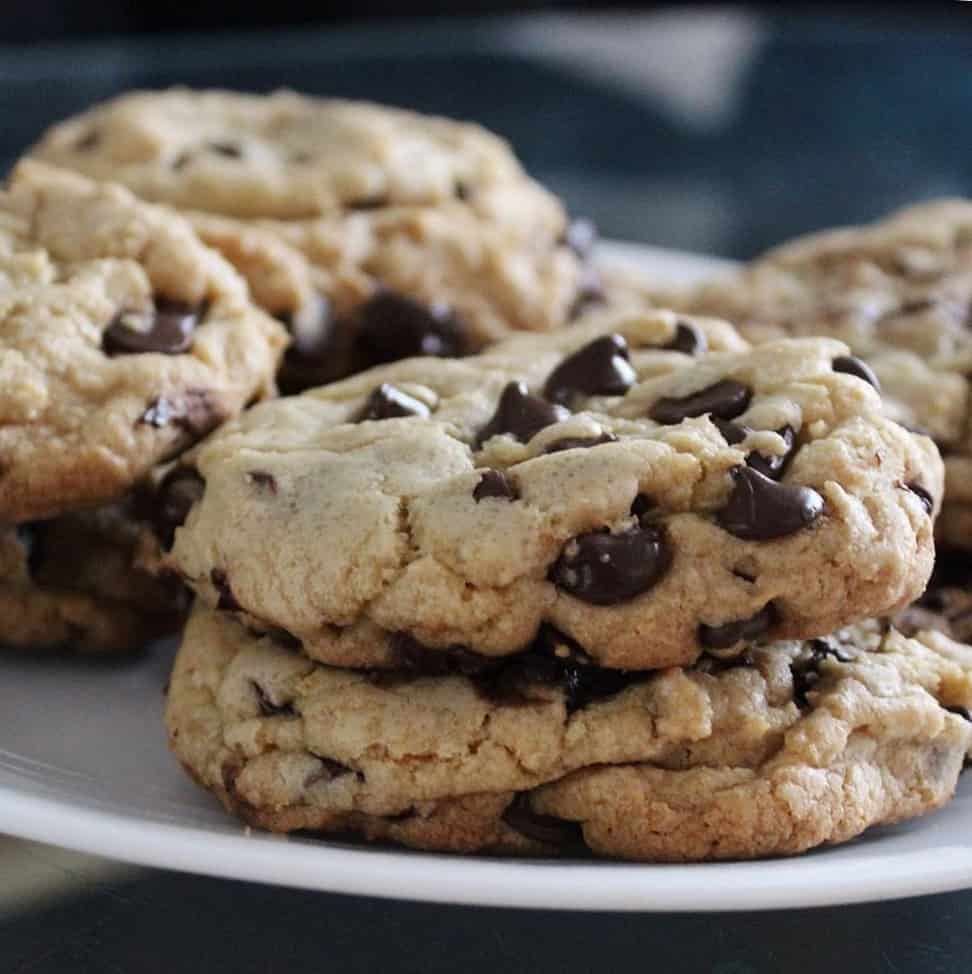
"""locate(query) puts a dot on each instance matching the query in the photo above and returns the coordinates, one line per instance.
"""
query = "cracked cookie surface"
(337, 201)
(792, 745)
(647, 503)
(75, 583)
(124, 339)
(899, 293)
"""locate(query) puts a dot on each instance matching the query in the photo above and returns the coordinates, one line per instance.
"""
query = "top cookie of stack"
(899, 293)
(647, 504)
(375, 233)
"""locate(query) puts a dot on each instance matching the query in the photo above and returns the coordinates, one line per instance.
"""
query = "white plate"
(83, 764)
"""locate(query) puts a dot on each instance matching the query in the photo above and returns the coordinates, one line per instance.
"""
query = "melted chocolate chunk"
(579, 442)
(389, 402)
(732, 433)
(313, 329)
(520, 816)
(179, 490)
(926, 499)
(689, 339)
(730, 633)
(267, 707)
(391, 327)
(167, 330)
(725, 400)
(759, 509)
(32, 537)
(581, 237)
(228, 150)
(962, 712)
(600, 368)
(605, 569)
(553, 660)
(494, 483)
(806, 672)
(773, 466)
(194, 411)
(521, 414)
(263, 479)
(642, 507)
(854, 366)
(415, 659)
(227, 600)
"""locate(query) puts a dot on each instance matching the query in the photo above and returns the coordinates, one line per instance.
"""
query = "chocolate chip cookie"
(790, 745)
(75, 582)
(614, 480)
(124, 339)
(899, 293)
(417, 235)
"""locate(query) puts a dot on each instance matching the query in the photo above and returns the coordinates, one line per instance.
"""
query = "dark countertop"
(721, 131)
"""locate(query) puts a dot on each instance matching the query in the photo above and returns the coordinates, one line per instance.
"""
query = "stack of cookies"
(639, 583)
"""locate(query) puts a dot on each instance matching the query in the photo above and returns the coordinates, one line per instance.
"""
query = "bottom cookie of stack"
(788, 746)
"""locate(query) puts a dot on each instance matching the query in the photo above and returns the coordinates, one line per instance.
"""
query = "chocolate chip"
(520, 816)
(391, 327)
(962, 712)
(600, 368)
(461, 191)
(642, 507)
(194, 411)
(581, 237)
(732, 433)
(267, 706)
(927, 501)
(179, 490)
(730, 633)
(229, 150)
(725, 399)
(88, 140)
(773, 466)
(759, 508)
(689, 339)
(579, 442)
(806, 672)
(494, 483)
(167, 330)
(227, 600)
(769, 466)
(521, 414)
(854, 366)
(605, 569)
(389, 402)
(263, 479)
(368, 203)
(916, 306)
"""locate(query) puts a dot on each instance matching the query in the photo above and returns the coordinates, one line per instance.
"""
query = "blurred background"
(717, 129)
